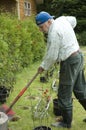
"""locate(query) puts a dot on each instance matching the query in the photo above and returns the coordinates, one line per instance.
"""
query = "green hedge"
(20, 45)
(82, 38)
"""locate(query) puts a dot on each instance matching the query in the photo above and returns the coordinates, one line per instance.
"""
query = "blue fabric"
(42, 17)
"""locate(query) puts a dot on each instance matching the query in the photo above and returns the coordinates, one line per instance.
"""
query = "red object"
(4, 108)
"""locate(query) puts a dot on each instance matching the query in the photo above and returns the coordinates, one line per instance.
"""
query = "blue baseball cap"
(42, 17)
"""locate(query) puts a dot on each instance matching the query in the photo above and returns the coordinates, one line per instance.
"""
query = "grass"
(26, 121)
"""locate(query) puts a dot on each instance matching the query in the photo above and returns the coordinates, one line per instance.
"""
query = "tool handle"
(34, 77)
(21, 93)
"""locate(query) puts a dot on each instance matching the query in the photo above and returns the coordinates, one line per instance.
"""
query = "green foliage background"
(75, 8)
(21, 44)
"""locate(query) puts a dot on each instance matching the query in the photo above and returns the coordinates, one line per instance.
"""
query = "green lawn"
(26, 104)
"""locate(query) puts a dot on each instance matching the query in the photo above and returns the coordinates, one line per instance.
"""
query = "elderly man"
(63, 47)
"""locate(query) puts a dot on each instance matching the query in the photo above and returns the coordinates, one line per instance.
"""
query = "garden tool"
(7, 110)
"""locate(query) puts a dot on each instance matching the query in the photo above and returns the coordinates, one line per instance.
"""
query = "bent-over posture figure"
(63, 47)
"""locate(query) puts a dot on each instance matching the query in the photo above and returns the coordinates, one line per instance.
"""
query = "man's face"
(44, 27)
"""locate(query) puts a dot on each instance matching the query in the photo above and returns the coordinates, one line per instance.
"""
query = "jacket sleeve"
(52, 52)
(72, 20)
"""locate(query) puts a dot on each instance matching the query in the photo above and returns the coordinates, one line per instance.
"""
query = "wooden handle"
(21, 93)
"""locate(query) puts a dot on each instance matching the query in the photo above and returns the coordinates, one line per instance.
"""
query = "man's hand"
(40, 70)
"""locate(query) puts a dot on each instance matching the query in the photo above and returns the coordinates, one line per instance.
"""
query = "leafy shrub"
(21, 44)
(82, 38)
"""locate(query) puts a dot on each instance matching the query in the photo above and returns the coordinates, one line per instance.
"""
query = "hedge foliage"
(21, 44)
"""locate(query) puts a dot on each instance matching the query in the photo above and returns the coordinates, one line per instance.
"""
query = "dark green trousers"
(71, 80)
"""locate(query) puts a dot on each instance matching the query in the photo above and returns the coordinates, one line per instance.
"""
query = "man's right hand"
(40, 70)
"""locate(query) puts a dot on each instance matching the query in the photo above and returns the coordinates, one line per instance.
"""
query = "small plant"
(41, 109)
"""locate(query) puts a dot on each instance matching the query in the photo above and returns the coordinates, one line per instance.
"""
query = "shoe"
(84, 120)
(61, 125)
